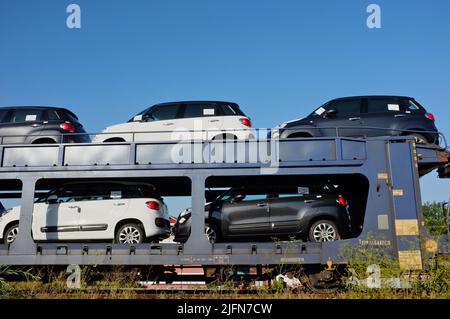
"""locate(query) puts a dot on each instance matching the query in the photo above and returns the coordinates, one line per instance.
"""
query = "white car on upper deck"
(175, 121)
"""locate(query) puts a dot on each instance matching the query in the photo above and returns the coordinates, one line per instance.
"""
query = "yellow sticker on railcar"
(397, 192)
(410, 259)
(382, 176)
(406, 227)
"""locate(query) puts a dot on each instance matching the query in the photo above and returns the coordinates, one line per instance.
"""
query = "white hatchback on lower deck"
(124, 212)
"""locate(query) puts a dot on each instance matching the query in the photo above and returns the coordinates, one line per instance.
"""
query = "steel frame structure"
(392, 167)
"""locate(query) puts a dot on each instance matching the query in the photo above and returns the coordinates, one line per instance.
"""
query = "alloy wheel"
(12, 234)
(130, 235)
(210, 234)
(324, 232)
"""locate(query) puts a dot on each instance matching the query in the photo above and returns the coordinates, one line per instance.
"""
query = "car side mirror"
(52, 199)
(330, 113)
(238, 198)
(138, 118)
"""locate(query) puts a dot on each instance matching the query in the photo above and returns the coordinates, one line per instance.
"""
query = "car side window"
(26, 115)
(409, 105)
(3, 113)
(228, 110)
(105, 192)
(383, 105)
(53, 115)
(166, 112)
(71, 195)
(291, 191)
(254, 197)
(200, 110)
(132, 192)
(344, 108)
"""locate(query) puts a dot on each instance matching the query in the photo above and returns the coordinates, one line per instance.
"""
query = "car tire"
(323, 230)
(130, 234)
(420, 139)
(212, 233)
(11, 234)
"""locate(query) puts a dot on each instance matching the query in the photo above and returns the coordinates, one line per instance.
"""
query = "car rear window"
(26, 115)
(383, 105)
(68, 116)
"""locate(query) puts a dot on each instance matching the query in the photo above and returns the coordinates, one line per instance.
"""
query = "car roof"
(372, 96)
(199, 101)
(39, 107)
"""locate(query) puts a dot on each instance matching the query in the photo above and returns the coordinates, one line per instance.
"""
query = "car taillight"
(341, 200)
(153, 204)
(429, 116)
(245, 121)
(68, 127)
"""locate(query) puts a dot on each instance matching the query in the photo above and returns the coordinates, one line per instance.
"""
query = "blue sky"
(277, 59)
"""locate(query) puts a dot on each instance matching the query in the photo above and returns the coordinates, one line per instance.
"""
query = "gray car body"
(363, 123)
(41, 129)
(275, 218)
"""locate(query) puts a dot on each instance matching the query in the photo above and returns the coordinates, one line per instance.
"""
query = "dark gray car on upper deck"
(366, 116)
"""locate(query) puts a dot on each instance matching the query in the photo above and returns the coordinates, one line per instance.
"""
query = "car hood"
(122, 127)
(295, 123)
(9, 211)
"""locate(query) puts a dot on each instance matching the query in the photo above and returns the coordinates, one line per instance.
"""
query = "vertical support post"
(61, 155)
(338, 145)
(133, 150)
(197, 242)
(1, 155)
(407, 210)
(24, 244)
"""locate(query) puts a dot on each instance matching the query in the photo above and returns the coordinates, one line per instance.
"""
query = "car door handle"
(36, 125)
(354, 118)
(168, 124)
(77, 207)
(261, 204)
(309, 200)
(119, 204)
(213, 121)
(399, 115)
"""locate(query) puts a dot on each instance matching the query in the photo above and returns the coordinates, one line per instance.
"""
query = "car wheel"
(420, 139)
(11, 234)
(212, 233)
(323, 230)
(130, 234)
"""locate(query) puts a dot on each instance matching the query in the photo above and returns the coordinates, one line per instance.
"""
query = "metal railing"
(209, 134)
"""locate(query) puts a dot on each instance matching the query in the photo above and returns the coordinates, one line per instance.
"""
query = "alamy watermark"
(374, 19)
(73, 20)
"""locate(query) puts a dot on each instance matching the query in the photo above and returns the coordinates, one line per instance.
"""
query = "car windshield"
(320, 110)
(140, 113)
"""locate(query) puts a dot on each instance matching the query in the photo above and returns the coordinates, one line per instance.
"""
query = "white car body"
(206, 126)
(96, 219)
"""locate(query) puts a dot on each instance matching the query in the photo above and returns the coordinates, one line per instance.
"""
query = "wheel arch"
(43, 140)
(114, 139)
(128, 221)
